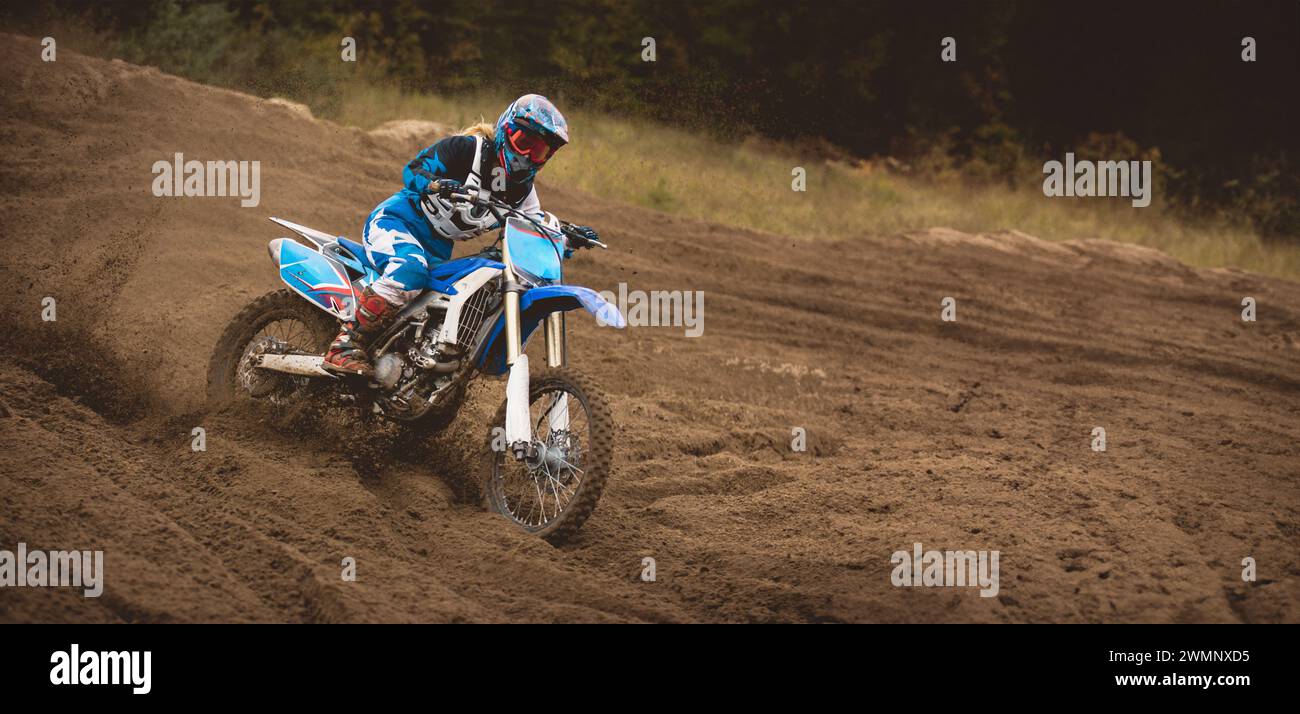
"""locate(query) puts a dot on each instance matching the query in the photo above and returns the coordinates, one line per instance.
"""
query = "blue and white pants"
(401, 259)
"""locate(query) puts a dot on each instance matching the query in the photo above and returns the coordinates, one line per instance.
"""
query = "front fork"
(556, 357)
(519, 435)
(556, 354)
(556, 351)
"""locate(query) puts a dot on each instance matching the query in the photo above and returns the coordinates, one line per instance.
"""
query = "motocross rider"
(412, 231)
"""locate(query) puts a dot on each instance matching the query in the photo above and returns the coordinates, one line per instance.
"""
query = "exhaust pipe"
(302, 365)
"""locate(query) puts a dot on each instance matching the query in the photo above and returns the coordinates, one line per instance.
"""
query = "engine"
(390, 369)
(415, 373)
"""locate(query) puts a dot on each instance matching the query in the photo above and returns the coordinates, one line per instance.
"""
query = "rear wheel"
(278, 322)
(552, 493)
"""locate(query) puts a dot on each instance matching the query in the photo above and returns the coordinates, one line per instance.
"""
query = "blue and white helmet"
(528, 133)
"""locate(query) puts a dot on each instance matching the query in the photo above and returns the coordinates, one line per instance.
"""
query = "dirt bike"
(550, 446)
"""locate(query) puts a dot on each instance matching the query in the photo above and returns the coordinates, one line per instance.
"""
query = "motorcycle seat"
(437, 278)
(358, 251)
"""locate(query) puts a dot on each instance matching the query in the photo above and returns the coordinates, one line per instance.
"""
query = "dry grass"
(747, 184)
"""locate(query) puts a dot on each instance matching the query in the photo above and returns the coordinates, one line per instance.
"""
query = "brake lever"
(565, 228)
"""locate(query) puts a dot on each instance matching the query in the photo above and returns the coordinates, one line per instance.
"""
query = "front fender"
(562, 298)
(534, 306)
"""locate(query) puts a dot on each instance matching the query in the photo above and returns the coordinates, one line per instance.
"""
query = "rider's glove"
(445, 187)
(582, 236)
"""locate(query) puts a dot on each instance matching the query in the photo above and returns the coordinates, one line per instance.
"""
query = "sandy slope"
(970, 435)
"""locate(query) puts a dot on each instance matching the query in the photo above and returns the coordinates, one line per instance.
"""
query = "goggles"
(528, 143)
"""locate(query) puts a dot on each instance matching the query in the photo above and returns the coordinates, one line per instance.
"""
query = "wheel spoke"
(524, 491)
(287, 334)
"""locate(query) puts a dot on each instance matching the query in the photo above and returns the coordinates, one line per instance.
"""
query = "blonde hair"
(480, 128)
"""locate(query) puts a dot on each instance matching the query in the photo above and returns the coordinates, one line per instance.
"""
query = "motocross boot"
(347, 354)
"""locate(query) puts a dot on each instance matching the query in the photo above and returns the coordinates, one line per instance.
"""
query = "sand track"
(972, 434)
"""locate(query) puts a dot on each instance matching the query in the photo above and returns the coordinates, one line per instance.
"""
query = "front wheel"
(553, 491)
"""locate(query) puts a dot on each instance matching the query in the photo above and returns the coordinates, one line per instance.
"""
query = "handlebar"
(500, 209)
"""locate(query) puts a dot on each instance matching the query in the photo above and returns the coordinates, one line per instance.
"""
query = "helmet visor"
(528, 143)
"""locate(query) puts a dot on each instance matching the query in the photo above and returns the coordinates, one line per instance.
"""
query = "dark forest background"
(1033, 78)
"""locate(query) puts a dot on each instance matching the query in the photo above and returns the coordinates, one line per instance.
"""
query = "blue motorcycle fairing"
(534, 306)
(315, 277)
(453, 270)
(532, 252)
(443, 275)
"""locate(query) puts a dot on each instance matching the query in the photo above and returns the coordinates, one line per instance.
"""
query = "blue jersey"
(436, 222)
